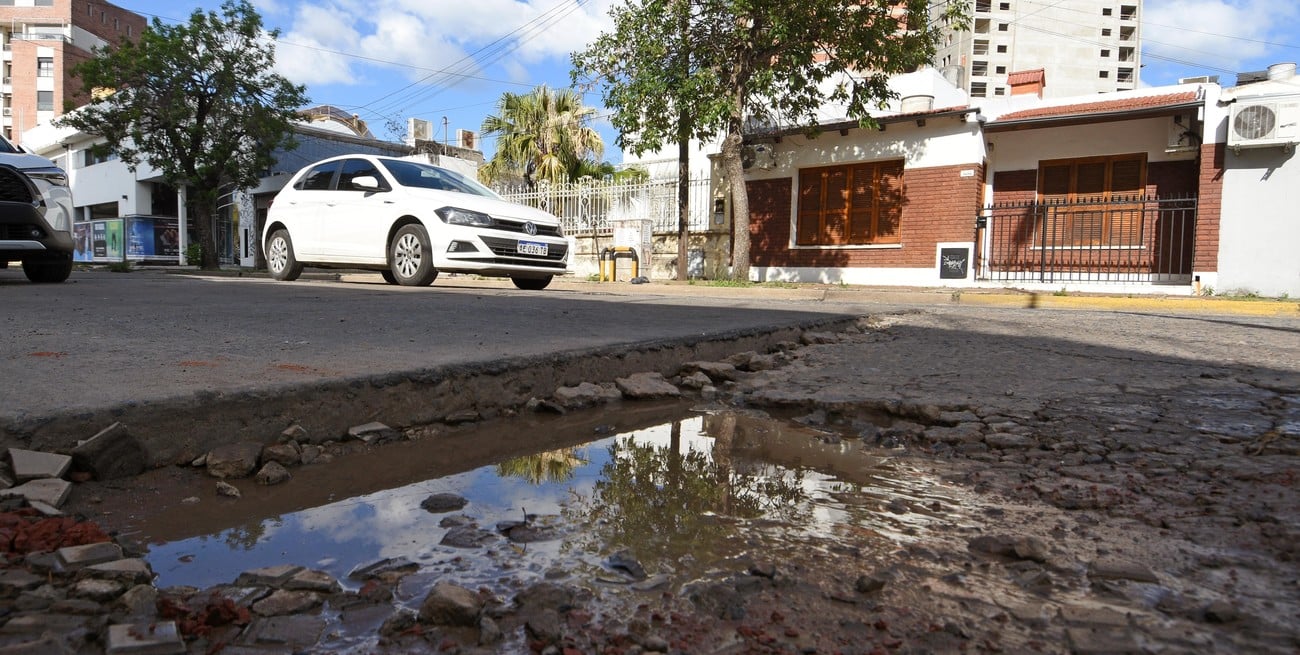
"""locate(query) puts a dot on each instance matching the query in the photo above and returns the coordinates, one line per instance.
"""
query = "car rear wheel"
(280, 259)
(409, 257)
(532, 283)
(50, 269)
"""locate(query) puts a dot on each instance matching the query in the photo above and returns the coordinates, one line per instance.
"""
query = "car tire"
(410, 257)
(280, 260)
(388, 276)
(48, 270)
(532, 283)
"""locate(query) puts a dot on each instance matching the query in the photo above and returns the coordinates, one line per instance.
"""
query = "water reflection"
(679, 496)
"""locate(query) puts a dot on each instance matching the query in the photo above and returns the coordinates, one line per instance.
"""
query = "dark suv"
(35, 215)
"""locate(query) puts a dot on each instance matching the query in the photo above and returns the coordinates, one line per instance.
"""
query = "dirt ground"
(1094, 482)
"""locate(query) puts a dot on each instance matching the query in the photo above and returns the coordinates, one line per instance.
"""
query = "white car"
(409, 220)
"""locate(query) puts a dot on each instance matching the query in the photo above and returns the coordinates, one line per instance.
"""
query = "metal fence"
(1131, 239)
(587, 207)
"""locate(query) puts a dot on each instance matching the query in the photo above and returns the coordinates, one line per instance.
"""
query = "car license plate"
(531, 248)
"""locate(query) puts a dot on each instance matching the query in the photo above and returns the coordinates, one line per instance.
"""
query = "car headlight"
(457, 216)
(559, 229)
(54, 176)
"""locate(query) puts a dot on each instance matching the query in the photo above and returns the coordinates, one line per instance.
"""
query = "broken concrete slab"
(73, 558)
(35, 465)
(154, 638)
(51, 491)
(112, 453)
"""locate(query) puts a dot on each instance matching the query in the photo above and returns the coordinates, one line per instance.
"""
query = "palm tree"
(542, 135)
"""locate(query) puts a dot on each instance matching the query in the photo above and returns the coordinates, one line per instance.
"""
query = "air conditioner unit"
(467, 139)
(1199, 79)
(759, 155)
(1182, 134)
(419, 130)
(1261, 124)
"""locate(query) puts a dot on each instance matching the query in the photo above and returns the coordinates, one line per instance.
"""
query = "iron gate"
(1119, 239)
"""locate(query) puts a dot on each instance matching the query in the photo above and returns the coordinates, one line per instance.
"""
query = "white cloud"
(508, 33)
(1227, 34)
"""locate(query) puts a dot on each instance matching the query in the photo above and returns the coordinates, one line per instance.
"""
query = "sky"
(449, 61)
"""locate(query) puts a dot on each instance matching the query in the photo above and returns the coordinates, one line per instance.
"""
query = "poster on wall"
(81, 240)
(152, 237)
(99, 241)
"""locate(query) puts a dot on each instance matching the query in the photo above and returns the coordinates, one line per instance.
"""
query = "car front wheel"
(280, 259)
(532, 283)
(409, 257)
(45, 270)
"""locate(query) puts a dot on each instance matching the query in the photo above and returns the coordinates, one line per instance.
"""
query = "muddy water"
(678, 494)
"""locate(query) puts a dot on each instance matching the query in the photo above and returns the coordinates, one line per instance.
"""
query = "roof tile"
(1101, 107)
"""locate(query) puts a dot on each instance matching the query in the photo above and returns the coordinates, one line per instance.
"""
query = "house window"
(1002, 27)
(1103, 74)
(1002, 50)
(44, 101)
(981, 47)
(855, 204)
(999, 91)
(1105, 53)
(979, 68)
(44, 3)
(1105, 31)
(45, 67)
(1004, 6)
(1000, 70)
(1126, 75)
(979, 89)
(1105, 11)
(97, 155)
(1093, 201)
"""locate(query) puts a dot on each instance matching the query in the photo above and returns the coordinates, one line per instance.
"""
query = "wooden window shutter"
(889, 202)
(863, 201)
(808, 229)
(835, 208)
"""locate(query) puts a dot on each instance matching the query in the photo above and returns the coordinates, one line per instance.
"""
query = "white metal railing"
(589, 206)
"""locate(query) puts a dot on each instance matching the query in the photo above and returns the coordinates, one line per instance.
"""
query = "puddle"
(677, 495)
(683, 497)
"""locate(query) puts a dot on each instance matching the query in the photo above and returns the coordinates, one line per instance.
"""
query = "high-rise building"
(42, 41)
(1080, 46)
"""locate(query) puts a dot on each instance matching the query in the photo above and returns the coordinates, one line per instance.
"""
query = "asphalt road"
(106, 343)
(188, 361)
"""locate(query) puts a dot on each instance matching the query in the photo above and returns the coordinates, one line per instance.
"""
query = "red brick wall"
(1209, 207)
(1171, 178)
(938, 206)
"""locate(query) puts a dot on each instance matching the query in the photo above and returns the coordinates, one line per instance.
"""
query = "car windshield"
(424, 176)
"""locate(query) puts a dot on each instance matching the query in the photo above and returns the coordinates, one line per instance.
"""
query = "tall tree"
(544, 134)
(199, 102)
(771, 60)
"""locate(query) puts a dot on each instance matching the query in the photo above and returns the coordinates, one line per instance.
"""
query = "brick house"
(1118, 193)
(870, 206)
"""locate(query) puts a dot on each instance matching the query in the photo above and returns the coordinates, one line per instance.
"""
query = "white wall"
(1259, 233)
(1022, 150)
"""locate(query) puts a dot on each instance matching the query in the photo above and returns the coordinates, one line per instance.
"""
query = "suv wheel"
(50, 269)
(409, 257)
(279, 257)
(531, 283)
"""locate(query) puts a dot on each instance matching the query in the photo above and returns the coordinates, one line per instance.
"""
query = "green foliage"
(544, 134)
(120, 267)
(673, 70)
(194, 254)
(197, 101)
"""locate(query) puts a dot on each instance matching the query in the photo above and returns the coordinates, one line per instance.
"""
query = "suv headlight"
(457, 216)
(53, 176)
(52, 182)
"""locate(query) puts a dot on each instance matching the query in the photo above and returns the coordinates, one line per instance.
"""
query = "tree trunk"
(205, 227)
(734, 171)
(683, 199)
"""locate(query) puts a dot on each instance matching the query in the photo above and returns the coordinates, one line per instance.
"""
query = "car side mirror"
(366, 183)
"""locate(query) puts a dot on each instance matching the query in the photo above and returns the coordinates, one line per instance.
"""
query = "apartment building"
(1081, 46)
(42, 41)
